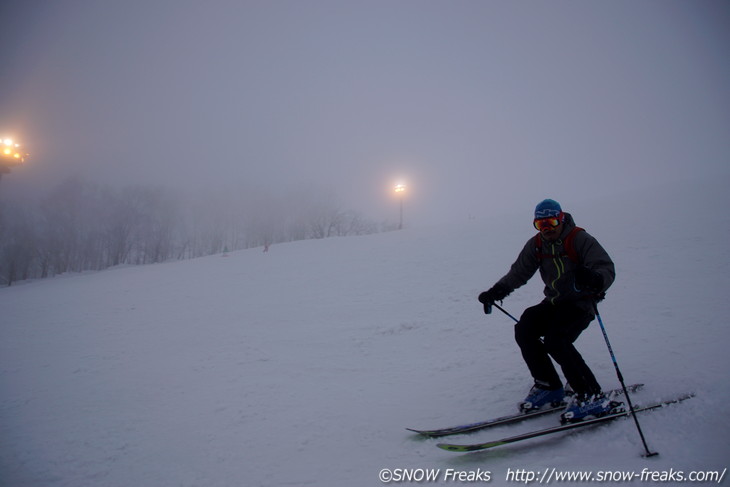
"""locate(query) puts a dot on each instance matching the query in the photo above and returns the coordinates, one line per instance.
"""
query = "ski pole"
(504, 311)
(649, 453)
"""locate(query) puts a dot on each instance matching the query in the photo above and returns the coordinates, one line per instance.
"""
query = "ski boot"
(595, 406)
(539, 396)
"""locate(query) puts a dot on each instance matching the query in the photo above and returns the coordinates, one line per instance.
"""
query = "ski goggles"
(550, 222)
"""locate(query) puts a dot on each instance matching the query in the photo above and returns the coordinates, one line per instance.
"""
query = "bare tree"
(17, 241)
(82, 226)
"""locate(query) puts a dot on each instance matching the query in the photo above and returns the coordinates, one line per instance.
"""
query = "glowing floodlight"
(11, 154)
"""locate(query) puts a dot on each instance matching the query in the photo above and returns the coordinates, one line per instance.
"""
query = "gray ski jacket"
(558, 270)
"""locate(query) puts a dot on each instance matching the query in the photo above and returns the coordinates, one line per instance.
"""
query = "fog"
(476, 106)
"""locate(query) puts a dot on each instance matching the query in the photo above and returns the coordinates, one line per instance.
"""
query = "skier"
(576, 271)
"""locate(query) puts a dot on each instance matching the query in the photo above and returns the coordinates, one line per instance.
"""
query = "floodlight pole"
(400, 222)
(400, 189)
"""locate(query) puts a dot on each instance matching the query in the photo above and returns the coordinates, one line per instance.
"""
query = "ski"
(509, 419)
(557, 429)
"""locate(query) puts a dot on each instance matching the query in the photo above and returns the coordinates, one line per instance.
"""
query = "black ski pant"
(548, 330)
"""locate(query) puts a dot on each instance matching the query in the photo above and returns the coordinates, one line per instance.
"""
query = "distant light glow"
(11, 154)
(400, 188)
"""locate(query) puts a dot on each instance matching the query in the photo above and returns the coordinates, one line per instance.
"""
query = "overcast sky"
(475, 105)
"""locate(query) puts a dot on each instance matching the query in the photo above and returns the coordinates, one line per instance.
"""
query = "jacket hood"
(568, 225)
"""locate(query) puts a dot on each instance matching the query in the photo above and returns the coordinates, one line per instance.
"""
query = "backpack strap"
(568, 244)
(538, 248)
(568, 247)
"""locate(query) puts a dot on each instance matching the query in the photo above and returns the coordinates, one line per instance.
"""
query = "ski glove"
(496, 293)
(588, 280)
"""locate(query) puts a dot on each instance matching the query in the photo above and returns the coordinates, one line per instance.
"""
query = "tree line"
(80, 226)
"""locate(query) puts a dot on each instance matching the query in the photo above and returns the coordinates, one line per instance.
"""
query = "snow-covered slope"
(303, 365)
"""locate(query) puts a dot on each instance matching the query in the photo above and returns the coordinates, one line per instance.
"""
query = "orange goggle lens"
(546, 223)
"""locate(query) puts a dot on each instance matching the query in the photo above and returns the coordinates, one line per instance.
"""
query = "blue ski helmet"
(547, 208)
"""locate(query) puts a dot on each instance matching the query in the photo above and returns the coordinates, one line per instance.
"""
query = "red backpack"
(568, 247)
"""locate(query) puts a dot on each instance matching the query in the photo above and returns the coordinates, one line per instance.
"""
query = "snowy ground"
(303, 365)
